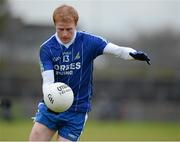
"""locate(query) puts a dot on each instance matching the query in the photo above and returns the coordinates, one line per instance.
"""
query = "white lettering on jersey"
(66, 58)
(67, 69)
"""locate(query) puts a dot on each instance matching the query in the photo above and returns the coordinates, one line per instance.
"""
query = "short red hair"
(65, 13)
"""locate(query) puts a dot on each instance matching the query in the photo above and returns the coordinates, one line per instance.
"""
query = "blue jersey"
(74, 65)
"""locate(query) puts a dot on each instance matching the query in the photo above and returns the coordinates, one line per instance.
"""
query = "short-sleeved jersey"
(74, 65)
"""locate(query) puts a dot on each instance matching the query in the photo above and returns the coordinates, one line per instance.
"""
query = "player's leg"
(61, 139)
(41, 133)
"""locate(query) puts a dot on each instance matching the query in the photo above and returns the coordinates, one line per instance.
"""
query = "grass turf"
(18, 130)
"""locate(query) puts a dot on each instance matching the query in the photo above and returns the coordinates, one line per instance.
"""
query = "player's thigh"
(41, 133)
(60, 139)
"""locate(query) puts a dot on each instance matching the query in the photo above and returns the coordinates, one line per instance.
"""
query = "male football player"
(67, 56)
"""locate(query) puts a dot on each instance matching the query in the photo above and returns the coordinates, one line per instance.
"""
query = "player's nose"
(64, 33)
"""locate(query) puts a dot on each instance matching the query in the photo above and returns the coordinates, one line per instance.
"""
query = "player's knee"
(34, 136)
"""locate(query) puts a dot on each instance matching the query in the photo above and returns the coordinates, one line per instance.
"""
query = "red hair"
(65, 13)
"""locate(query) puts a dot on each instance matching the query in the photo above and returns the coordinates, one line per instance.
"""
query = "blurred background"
(123, 90)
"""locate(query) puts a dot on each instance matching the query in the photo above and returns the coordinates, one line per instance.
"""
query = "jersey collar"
(67, 44)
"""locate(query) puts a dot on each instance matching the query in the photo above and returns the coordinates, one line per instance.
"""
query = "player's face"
(65, 30)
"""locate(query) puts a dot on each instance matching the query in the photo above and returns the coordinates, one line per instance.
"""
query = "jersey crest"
(77, 56)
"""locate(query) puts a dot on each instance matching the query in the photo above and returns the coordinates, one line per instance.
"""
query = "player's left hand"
(139, 55)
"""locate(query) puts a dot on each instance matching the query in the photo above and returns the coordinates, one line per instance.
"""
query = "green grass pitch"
(102, 130)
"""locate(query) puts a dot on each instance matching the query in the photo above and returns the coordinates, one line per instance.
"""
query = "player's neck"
(67, 44)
